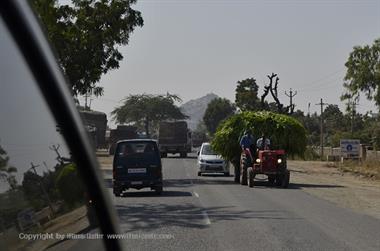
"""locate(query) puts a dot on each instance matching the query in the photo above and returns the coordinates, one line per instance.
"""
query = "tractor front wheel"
(285, 179)
(251, 177)
(278, 180)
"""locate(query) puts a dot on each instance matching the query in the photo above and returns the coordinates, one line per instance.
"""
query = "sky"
(192, 48)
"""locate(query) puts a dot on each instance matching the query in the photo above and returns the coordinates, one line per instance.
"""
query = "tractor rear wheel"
(243, 175)
(251, 177)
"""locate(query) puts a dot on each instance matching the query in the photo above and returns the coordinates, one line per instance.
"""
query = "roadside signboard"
(350, 148)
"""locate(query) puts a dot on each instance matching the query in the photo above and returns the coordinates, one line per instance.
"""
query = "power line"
(328, 84)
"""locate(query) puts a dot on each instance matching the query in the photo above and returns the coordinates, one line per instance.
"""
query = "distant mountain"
(196, 108)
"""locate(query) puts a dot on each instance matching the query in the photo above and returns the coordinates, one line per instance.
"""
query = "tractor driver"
(263, 143)
(247, 142)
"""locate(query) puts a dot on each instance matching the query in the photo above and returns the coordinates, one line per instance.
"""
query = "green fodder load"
(284, 132)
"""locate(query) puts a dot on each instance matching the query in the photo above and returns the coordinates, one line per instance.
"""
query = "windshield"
(156, 83)
(207, 150)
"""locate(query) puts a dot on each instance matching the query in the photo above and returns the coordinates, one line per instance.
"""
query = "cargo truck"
(122, 132)
(174, 137)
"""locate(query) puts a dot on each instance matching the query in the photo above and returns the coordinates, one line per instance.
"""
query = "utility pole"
(353, 111)
(321, 104)
(42, 186)
(291, 95)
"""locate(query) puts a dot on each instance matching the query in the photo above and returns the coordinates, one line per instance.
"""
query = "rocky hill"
(196, 108)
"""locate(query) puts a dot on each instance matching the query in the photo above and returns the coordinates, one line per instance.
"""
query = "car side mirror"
(198, 153)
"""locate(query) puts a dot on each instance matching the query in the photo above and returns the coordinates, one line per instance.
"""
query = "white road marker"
(206, 218)
(196, 194)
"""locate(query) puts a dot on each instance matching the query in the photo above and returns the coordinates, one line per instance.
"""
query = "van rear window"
(136, 153)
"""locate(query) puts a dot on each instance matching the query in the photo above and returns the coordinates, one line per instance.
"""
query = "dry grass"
(370, 168)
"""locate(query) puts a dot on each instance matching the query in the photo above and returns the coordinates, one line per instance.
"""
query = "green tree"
(284, 131)
(363, 73)
(86, 36)
(217, 110)
(246, 98)
(31, 185)
(333, 120)
(7, 172)
(148, 110)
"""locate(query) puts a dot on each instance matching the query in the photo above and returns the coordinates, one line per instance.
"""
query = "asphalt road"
(214, 213)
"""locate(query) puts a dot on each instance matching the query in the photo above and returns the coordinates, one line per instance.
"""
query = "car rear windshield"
(207, 150)
(138, 153)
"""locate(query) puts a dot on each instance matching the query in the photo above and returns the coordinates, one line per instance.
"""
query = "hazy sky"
(192, 48)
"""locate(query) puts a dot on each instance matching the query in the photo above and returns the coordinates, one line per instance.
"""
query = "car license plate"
(137, 170)
(136, 182)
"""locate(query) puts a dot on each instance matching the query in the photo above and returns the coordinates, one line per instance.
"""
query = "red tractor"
(268, 162)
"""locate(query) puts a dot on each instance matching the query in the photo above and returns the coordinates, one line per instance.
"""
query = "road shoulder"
(341, 188)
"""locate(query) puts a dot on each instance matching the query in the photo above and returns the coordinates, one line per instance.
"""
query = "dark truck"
(174, 137)
(122, 132)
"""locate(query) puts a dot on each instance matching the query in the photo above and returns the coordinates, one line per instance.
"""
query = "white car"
(210, 162)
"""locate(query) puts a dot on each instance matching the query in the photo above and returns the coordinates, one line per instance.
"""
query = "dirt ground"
(348, 190)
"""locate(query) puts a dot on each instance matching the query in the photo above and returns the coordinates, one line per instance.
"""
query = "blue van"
(137, 164)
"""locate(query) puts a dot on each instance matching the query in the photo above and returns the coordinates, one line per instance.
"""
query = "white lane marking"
(206, 218)
(196, 194)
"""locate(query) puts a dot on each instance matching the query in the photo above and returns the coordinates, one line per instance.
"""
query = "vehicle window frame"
(23, 26)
